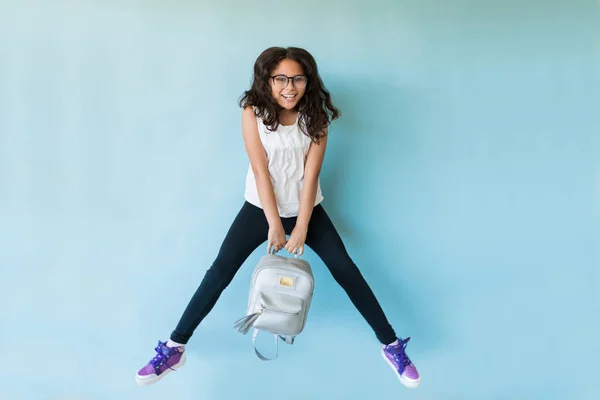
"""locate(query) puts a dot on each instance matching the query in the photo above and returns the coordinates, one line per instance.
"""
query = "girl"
(285, 119)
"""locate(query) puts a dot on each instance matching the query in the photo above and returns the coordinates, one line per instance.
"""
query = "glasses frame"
(289, 78)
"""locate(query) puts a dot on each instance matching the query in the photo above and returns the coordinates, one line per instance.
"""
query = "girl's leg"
(324, 239)
(248, 231)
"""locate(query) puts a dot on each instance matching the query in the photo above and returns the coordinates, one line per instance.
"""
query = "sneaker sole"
(140, 380)
(409, 383)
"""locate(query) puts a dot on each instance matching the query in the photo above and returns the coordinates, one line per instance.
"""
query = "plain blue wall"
(463, 178)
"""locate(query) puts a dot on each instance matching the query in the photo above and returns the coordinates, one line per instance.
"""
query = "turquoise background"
(463, 177)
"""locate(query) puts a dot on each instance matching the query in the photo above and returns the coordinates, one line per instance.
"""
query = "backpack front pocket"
(282, 313)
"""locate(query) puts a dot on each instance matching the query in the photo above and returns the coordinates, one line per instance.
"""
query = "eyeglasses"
(281, 81)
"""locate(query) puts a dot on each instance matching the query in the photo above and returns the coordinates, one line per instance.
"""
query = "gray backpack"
(281, 291)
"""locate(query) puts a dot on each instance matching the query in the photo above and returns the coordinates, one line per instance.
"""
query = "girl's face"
(288, 83)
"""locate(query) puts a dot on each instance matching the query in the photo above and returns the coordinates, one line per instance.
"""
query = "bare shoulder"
(248, 113)
(322, 142)
(249, 123)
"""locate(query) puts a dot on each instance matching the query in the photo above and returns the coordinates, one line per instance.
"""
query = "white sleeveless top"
(286, 150)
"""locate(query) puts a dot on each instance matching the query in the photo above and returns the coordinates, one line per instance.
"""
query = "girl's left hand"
(295, 243)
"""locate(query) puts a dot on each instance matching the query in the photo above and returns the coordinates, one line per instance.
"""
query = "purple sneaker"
(166, 360)
(401, 364)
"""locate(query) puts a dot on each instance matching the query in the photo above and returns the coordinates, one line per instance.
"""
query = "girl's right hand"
(276, 239)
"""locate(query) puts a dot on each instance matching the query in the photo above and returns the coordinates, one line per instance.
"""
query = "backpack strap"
(287, 339)
(258, 353)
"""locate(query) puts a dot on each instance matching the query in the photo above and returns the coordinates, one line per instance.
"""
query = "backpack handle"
(275, 252)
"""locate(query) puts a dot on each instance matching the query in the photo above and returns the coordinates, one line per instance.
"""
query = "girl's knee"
(221, 272)
(344, 269)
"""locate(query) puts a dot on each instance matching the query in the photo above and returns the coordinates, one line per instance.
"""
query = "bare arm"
(312, 170)
(259, 164)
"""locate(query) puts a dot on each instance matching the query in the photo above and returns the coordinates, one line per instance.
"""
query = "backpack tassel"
(244, 324)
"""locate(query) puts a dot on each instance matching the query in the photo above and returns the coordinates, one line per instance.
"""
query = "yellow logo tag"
(286, 281)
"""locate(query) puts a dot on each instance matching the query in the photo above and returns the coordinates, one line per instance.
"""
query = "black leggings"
(248, 231)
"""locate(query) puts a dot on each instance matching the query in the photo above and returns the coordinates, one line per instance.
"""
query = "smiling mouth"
(289, 96)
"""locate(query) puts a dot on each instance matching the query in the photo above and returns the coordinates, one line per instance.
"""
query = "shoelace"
(160, 357)
(401, 358)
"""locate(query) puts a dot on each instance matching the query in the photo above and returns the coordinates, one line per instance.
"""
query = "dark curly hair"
(315, 107)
